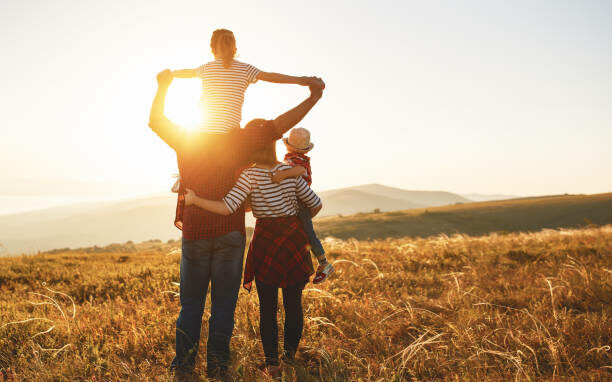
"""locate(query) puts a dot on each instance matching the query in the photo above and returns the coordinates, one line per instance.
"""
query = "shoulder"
(240, 63)
(282, 167)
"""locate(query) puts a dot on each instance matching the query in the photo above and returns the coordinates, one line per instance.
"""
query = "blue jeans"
(216, 261)
(315, 244)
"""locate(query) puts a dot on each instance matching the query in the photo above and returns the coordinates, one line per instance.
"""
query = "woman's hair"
(223, 45)
(266, 155)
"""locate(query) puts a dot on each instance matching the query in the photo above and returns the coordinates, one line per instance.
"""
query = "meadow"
(500, 307)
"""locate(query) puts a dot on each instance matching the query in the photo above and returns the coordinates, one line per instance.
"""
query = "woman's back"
(270, 199)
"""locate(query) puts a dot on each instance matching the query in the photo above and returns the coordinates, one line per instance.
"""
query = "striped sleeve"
(251, 74)
(200, 71)
(306, 194)
(238, 194)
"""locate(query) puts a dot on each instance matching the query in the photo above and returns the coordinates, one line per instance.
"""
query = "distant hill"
(350, 201)
(487, 198)
(151, 217)
(368, 197)
(524, 214)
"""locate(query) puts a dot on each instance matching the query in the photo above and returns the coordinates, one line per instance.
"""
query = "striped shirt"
(270, 199)
(223, 94)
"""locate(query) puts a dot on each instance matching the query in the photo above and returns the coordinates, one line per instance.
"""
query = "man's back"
(210, 164)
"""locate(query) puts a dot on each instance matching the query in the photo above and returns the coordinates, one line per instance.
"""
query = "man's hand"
(164, 78)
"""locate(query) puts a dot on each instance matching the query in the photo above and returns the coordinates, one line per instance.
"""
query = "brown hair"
(265, 156)
(223, 45)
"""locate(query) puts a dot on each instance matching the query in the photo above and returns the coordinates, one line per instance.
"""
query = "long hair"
(223, 45)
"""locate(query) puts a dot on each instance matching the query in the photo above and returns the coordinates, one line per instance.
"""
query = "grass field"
(525, 214)
(516, 306)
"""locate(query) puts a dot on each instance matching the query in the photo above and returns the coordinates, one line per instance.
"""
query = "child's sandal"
(322, 274)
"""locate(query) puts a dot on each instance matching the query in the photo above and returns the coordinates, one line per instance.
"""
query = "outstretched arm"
(287, 120)
(214, 206)
(162, 126)
(184, 73)
(285, 79)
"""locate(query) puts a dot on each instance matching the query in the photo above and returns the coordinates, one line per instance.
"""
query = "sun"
(183, 103)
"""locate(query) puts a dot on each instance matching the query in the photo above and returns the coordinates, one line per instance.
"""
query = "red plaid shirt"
(295, 159)
(279, 254)
(210, 164)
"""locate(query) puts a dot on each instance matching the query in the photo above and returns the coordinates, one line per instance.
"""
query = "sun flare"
(183, 104)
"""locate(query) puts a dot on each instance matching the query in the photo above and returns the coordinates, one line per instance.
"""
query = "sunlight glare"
(183, 103)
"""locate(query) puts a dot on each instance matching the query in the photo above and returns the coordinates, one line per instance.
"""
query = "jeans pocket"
(233, 239)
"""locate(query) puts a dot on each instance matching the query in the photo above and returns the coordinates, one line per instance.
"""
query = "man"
(213, 245)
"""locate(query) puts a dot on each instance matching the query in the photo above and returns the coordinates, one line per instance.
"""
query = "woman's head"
(223, 45)
(265, 156)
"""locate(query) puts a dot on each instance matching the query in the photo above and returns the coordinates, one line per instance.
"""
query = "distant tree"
(377, 210)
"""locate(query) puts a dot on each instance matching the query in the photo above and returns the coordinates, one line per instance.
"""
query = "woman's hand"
(189, 197)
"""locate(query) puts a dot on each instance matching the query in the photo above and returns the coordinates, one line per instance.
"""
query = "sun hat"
(299, 141)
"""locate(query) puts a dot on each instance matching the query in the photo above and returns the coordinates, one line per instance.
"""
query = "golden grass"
(521, 306)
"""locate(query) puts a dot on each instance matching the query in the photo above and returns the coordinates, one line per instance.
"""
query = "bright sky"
(511, 97)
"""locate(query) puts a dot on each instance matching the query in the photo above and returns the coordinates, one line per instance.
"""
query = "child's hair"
(223, 45)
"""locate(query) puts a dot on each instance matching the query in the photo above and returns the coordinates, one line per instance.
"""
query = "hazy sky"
(510, 97)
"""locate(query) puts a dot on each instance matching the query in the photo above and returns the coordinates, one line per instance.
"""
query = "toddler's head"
(298, 141)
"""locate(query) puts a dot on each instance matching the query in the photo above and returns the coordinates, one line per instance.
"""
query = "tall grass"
(521, 306)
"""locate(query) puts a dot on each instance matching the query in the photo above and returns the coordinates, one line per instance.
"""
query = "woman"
(279, 255)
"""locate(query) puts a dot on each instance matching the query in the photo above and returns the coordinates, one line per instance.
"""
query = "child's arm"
(214, 206)
(278, 78)
(184, 73)
(279, 176)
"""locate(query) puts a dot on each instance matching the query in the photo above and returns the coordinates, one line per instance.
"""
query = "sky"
(492, 97)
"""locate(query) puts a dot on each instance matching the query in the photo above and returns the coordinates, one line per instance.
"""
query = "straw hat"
(299, 141)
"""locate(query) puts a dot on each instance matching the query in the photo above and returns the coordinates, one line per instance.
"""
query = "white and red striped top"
(223, 94)
(270, 199)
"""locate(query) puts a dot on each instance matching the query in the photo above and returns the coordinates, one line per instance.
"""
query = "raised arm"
(184, 73)
(287, 120)
(158, 122)
(214, 206)
(278, 78)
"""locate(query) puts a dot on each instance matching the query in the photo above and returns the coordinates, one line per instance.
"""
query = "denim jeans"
(216, 261)
(315, 244)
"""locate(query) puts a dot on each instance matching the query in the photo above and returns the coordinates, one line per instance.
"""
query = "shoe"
(323, 271)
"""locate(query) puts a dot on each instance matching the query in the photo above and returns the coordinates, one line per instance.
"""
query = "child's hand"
(189, 197)
(277, 177)
(316, 82)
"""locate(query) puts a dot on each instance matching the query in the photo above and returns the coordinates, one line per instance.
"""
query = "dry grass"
(522, 306)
